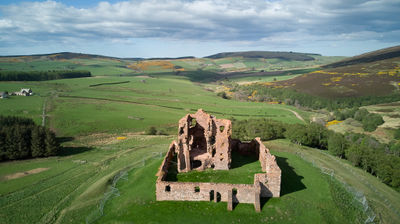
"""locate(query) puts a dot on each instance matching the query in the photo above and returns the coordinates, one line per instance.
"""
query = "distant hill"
(375, 73)
(386, 53)
(71, 55)
(61, 55)
(254, 61)
(293, 56)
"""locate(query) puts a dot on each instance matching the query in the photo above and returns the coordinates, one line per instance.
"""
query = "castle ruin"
(205, 142)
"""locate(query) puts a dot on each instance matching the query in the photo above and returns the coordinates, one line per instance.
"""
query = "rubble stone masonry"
(205, 142)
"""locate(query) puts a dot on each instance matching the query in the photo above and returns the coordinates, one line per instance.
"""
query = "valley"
(105, 171)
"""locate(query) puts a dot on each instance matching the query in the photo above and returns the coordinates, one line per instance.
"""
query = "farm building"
(24, 92)
(3, 95)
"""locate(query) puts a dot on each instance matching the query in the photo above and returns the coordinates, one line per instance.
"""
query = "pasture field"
(92, 112)
(128, 104)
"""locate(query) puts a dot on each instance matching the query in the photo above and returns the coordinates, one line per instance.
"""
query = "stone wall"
(163, 170)
(208, 141)
(203, 142)
(271, 181)
(188, 191)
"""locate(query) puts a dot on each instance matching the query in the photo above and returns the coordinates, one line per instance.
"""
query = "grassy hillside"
(373, 74)
(266, 54)
(73, 187)
(126, 104)
(384, 201)
(110, 66)
(379, 55)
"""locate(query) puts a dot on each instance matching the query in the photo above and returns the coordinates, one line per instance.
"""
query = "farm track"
(163, 106)
(296, 114)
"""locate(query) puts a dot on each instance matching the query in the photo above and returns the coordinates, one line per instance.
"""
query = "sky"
(174, 28)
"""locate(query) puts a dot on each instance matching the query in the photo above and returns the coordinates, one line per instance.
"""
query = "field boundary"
(170, 107)
(358, 197)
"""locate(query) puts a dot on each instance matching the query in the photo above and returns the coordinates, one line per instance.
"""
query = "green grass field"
(70, 191)
(305, 186)
(90, 113)
(74, 108)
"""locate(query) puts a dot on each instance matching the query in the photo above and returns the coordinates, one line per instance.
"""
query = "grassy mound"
(305, 199)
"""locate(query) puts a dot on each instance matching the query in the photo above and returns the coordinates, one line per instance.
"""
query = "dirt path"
(296, 114)
(26, 173)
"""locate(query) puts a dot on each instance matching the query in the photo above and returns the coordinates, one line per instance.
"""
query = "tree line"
(381, 160)
(21, 138)
(42, 75)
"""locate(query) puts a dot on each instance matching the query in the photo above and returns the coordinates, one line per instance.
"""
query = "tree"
(372, 121)
(151, 131)
(354, 154)
(361, 114)
(337, 144)
(23, 138)
(2, 145)
(51, 143)
(38, 146)
(397, 134)
(11, 146)
(297, 134)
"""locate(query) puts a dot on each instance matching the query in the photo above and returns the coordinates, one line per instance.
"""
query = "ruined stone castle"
(205, 142)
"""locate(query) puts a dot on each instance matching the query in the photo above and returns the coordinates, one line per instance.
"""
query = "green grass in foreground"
(305, 199)
(242, 171)
(69, 191)
(73, 184)
(384, 200)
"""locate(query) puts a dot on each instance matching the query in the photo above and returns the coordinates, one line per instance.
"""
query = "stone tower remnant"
(205, 142)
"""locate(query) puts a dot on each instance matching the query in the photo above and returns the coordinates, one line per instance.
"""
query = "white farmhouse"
(24, 92)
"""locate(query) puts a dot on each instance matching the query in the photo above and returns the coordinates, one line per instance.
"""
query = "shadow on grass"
(263, 201)
(290, 181)
(65, 139)
(240, 160)
(68, 151)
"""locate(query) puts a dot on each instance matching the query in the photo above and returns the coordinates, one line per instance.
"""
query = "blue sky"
(172, 28)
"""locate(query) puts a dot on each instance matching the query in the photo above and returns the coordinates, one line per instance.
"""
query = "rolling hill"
(267, 55)
(207, 69)
(372, 74)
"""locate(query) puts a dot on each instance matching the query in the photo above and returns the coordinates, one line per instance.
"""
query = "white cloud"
(285, 22)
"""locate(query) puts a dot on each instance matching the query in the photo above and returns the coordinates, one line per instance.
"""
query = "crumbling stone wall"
(203, 142)
(197, 191)
(208, 141)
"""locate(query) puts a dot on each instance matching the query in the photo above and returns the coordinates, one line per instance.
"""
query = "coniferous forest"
(21, 138)
(41, 75)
